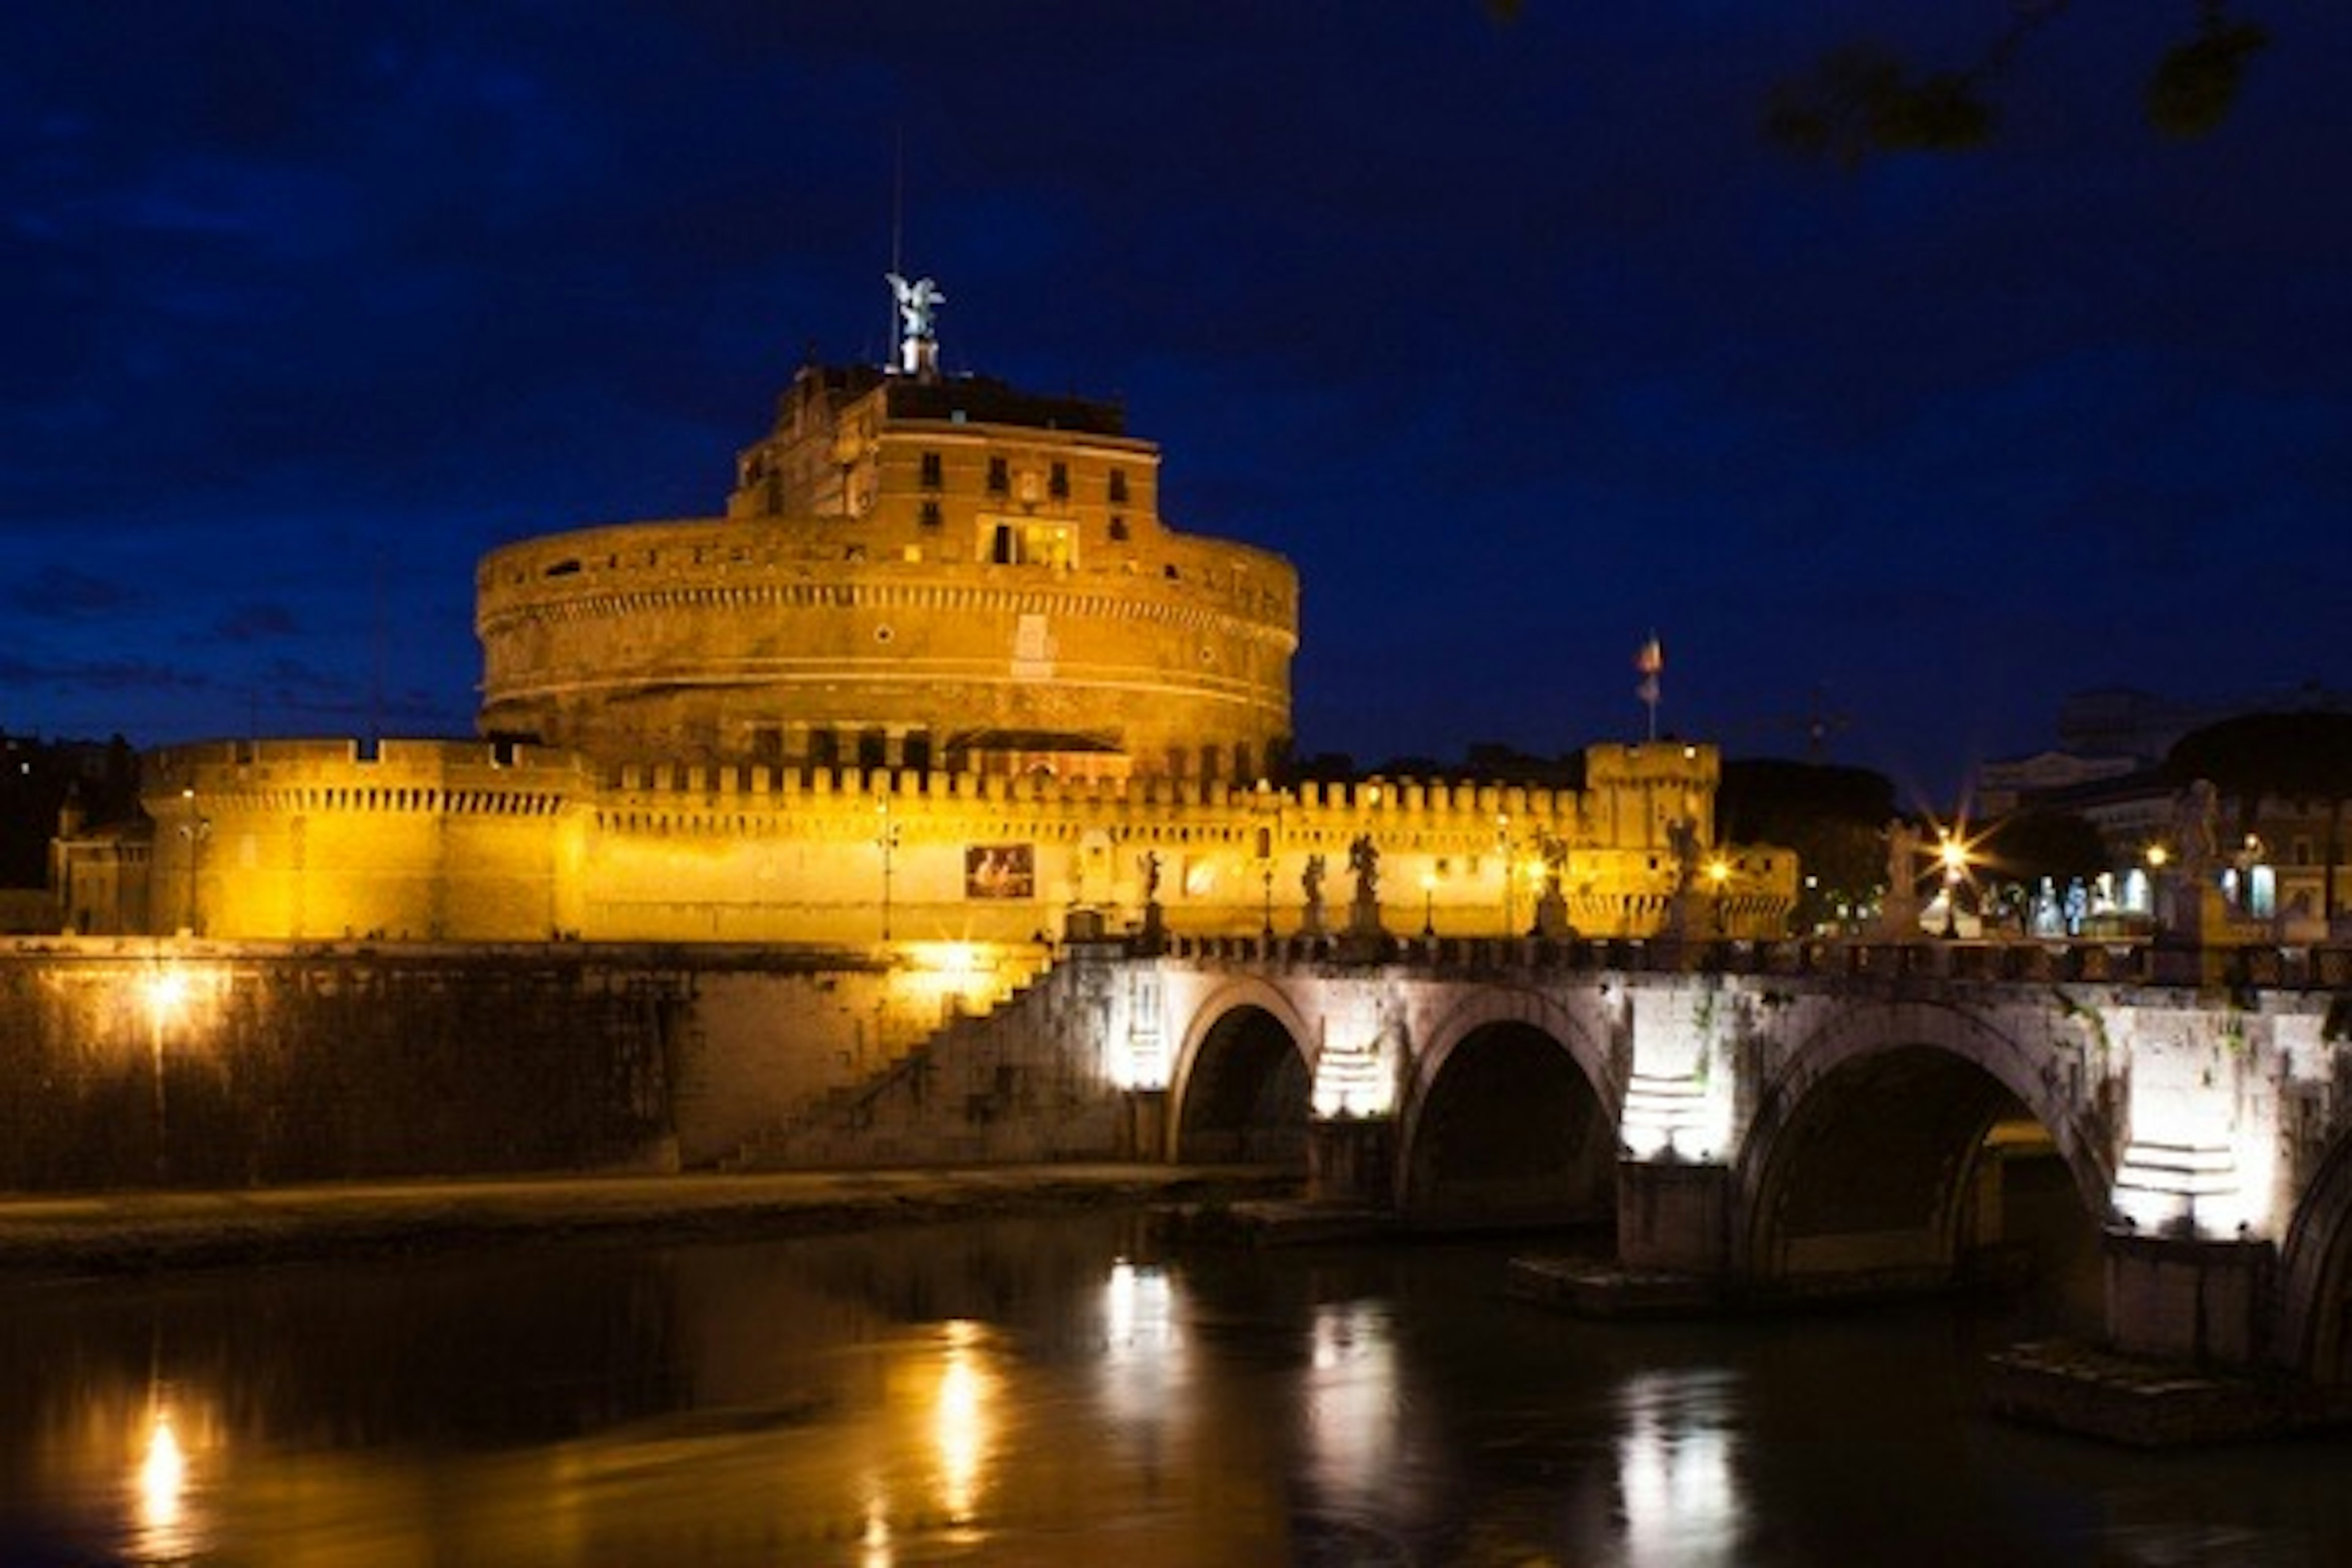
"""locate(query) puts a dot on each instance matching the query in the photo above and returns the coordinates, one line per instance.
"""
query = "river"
(1050, 1390)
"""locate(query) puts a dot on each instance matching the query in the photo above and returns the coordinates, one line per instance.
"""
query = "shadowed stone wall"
(200, 1064)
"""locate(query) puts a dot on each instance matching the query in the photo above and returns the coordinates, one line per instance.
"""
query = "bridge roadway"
(1799, 1119)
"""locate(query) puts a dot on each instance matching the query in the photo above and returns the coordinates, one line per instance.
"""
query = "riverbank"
(135, 1230)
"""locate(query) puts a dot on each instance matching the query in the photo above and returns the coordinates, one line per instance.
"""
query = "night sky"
(1518, 336)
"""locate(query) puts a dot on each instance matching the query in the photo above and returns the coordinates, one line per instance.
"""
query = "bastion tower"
(914, 570)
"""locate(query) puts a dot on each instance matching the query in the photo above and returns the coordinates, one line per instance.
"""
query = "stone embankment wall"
(192, 1063)
(1025, 1083)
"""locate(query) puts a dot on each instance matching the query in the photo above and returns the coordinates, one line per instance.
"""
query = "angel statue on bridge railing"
(1364, 861)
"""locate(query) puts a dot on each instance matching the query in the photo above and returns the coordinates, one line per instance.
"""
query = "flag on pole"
(1650, 659)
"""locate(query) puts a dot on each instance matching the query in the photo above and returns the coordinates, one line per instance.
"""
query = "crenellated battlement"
(459, 840)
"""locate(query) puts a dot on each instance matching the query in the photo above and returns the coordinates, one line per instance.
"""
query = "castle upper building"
(913, 570)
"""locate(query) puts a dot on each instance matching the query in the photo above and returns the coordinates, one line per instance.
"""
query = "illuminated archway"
(1243, 1094)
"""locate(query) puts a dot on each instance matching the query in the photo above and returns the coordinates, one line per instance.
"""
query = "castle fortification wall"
(460, 842)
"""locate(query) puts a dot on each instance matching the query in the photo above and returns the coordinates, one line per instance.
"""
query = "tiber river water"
(1050, 1392)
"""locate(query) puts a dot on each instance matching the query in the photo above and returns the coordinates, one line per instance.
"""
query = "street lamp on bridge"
(886, 838)
(1954, 856)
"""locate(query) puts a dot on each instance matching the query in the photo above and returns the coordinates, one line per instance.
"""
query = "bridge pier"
(1672, 1216)
(2182, 1297)
(1144, 1125)
(1351, 1161)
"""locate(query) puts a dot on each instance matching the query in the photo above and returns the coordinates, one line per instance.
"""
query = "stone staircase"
(1018, 1083)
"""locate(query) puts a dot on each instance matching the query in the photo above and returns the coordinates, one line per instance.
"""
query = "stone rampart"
(470, 841)
(194, 1062)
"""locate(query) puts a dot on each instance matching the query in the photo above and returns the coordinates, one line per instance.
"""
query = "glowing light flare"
(946, 957)
(166, 991)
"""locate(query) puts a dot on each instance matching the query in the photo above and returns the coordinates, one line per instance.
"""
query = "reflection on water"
(1049, 1392)
(1675, 1481)
(163, 1486)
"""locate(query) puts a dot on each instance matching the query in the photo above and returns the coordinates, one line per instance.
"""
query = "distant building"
(2272, 872)
(2122, 721)
(2003, 786)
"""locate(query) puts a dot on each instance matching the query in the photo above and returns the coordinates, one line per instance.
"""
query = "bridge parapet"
(2240, 968)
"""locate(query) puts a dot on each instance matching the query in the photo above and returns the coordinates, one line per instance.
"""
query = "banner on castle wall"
(1000, 870)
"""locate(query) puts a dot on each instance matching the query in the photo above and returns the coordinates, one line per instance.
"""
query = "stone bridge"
(1792, 1120)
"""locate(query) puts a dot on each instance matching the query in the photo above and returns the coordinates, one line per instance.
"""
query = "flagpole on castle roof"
(1650, 659)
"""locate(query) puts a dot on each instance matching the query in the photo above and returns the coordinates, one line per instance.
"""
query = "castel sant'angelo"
(939, 672)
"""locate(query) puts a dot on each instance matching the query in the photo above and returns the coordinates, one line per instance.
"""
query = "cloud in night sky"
(1517, 337)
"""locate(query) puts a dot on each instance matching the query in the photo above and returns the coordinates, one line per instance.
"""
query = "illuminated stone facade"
(925, 572)
(480, 842)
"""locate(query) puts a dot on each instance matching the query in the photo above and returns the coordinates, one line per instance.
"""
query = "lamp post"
(1429, 903)
(192, 832)
(1955, 858)
(1718, 875)
(1268, 806)
(887, 840)
(2157, 858)
(1503, 858)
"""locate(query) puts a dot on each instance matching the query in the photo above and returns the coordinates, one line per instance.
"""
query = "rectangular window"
(929, 515)
(1118, 487)
(933, 477)
(1057, 483)
(1000, 477)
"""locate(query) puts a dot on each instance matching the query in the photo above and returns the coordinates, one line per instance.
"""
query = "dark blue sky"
(1519, 339)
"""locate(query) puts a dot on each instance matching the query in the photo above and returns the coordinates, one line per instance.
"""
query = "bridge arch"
(1242, 1077)
(1901, 1136)
(1510, 1116)
(2315, 1273)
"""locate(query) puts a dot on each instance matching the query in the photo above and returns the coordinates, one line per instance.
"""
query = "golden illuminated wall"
(466, 843)
(903, 568)
(424, 841)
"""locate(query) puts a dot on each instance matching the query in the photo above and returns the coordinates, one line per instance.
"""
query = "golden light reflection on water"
(167, 1524)
(959, 1421)
(942, 1404)
(162, 1477)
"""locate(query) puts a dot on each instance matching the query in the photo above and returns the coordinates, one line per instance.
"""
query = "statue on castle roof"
(1364, 861)
(919, 304)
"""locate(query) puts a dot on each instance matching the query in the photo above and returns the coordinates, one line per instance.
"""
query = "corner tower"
(913, 570)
